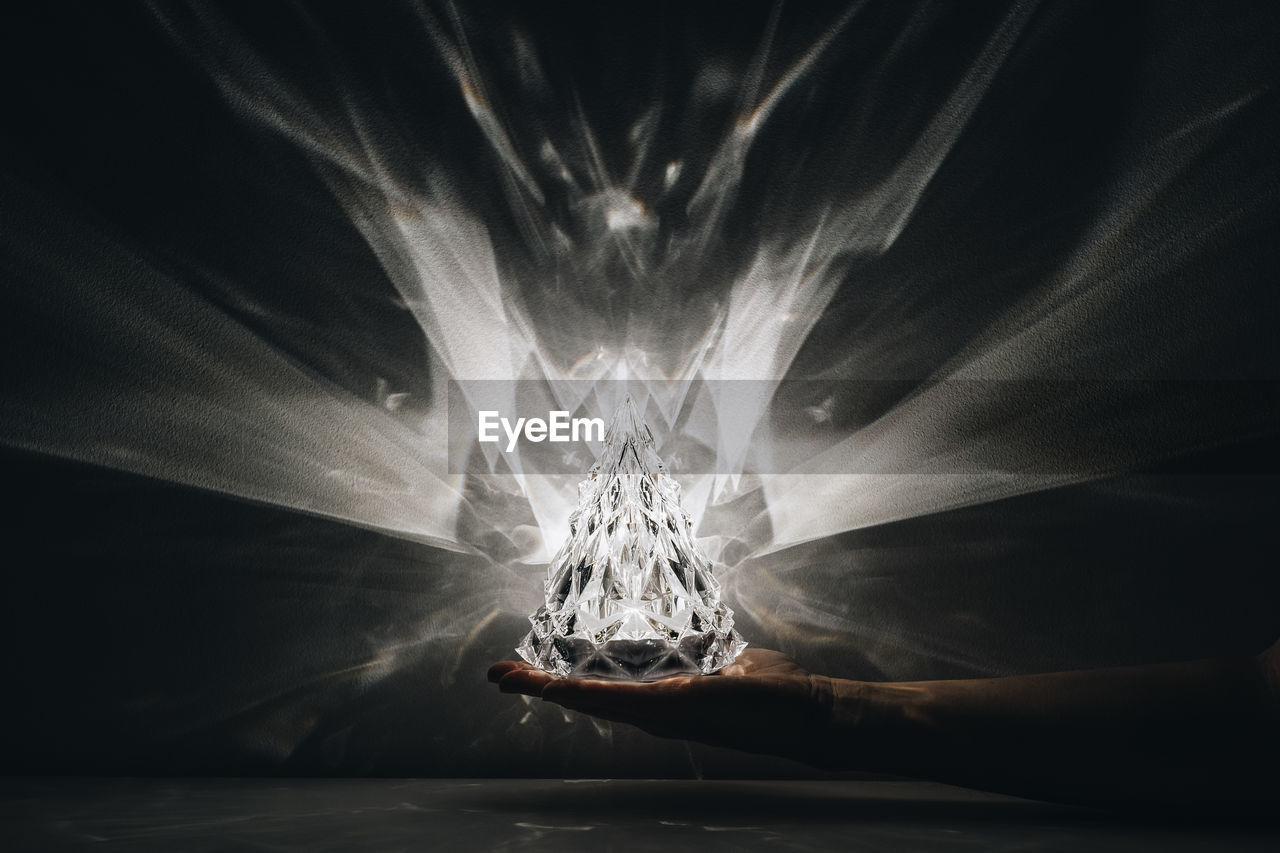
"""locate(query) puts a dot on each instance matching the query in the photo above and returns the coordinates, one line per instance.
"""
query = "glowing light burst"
(585, 274)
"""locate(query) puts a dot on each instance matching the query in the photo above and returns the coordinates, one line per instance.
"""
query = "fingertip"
(501, 668)
(528, 681)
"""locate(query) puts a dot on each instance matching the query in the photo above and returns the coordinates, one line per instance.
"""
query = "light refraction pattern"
(630, 595)
(987, 277)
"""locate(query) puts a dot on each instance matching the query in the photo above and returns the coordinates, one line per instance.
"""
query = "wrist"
(881, 726)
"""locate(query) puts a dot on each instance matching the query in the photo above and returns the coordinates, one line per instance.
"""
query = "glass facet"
(629, 595)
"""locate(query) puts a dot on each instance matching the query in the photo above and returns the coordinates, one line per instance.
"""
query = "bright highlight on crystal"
(629, 595)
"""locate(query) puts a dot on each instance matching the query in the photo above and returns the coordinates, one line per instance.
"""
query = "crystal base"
(649, 659)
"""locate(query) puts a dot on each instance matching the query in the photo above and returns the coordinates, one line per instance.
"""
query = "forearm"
(1197, 731)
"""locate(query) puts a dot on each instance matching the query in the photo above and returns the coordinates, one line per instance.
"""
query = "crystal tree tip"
(629, 595)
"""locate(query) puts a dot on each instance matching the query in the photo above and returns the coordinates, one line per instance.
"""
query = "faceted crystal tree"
(629, 595)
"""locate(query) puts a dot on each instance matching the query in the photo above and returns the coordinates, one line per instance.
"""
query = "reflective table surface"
(569, 815)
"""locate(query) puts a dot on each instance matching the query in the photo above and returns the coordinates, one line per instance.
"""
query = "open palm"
(763, 702)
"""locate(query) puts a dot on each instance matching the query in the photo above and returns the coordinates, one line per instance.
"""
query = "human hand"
(763, 702)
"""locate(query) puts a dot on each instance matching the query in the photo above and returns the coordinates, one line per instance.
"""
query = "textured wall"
(1016, 262)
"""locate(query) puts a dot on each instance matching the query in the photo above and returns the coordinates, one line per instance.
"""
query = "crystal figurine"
(629, 595)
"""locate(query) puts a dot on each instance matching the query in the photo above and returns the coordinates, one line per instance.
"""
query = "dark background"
(154, 627)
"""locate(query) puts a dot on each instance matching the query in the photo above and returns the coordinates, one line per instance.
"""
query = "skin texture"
(1204, 733)
(764, 702)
